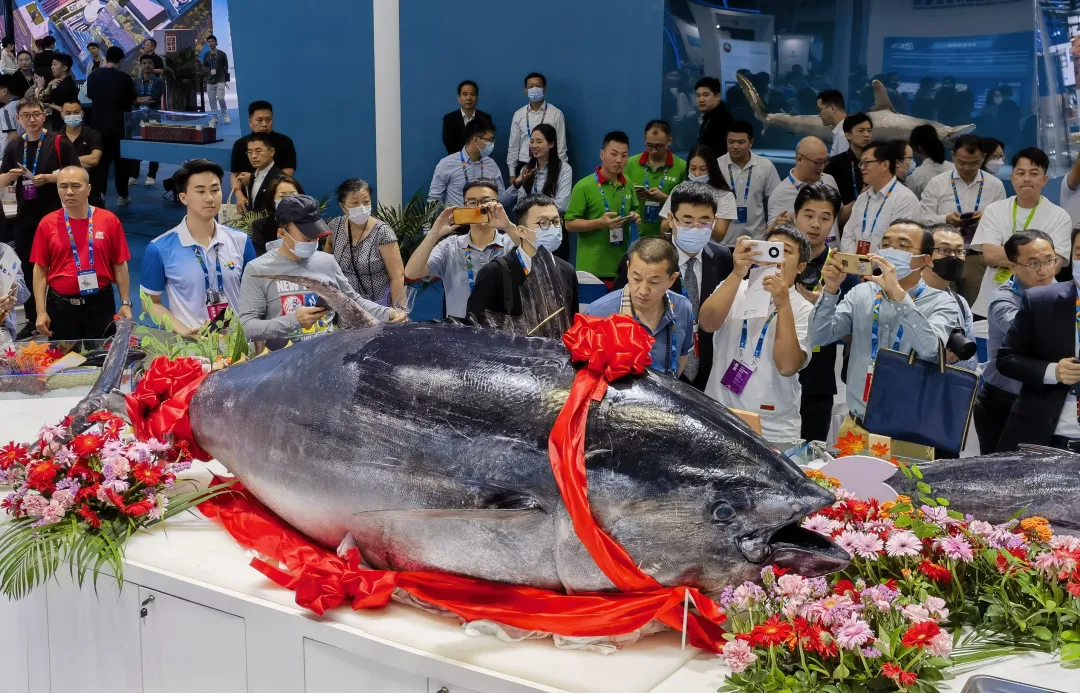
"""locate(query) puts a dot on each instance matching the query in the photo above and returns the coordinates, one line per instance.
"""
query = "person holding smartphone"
(654, 173)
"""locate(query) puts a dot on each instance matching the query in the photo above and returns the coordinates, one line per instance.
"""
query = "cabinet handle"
(142, 611)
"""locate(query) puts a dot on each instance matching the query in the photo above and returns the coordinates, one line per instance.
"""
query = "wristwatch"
(125, 303)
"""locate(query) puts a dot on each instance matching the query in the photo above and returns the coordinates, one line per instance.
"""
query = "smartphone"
(640, 188)
(470, 215)
(320, 302)
(855, 264)
(966, 215)
(767, 251)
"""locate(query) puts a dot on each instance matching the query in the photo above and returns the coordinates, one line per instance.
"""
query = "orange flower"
(903, 500)
(850, 444)
(883, 511)
(815, 474)
(834, 482)
(1033, 522)
(880, 450)
(38, 352)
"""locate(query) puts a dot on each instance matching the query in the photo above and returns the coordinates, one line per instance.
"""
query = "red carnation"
(773, 632)
(146, 474)
(843, 587)
(41, 475)
(1073, 586)
(907, 679)
(920, 634)
(937, 573)
(891, 584)
(90, 516)
(11, 455)
(87, 444)
(890, 670)
(87, 493)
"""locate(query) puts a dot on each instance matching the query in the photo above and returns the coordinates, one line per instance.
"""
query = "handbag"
(229, 213)
(919, 401)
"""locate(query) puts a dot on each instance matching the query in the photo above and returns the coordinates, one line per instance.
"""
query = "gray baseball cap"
(302, 210)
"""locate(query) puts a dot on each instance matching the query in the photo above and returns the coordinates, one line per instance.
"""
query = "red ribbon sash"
(159, 405)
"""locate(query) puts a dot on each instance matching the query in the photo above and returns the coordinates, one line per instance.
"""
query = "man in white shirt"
(810, 159)
(831, 108)
(756, 361)
(538, 111)
(884, 201)
(1070, 195)
(1028, 209)
(752, 178)
(260, 152)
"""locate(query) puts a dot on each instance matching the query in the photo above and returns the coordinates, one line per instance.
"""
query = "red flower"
(134, 510)
(1073, 586)
(844, 587)
(90, 516)
(41, 475)
(890, 670)
(920, 634)
(778, 571)
(80, 470)
(814, 638)
(146, 474)
(907, 679)
(937, 573)
(773, 632)
(11, 455)
(87, 444)
(87, 493)
(1004, 566)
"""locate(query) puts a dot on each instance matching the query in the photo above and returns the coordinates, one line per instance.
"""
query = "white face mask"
(550, 238)
(359, 215)
(994, 165)
(692, 240)
(901, 260)
(704, 178)
(273, 245)
(303, 249)
(536, 94)
(911, 167)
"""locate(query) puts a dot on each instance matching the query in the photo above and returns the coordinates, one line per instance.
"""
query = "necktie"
(690, 283)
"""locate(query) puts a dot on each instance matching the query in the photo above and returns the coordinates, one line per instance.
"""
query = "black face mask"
(951, 269)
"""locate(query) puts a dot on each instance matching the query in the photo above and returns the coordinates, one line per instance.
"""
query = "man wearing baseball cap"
(276, 311)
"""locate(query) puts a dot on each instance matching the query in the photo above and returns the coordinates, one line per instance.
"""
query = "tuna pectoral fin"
(480, 514)
(350, 314)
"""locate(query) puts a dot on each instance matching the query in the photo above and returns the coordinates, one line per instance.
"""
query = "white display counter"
(213, 623)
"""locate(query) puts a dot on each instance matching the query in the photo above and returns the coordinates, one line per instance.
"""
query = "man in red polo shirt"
(79, 252)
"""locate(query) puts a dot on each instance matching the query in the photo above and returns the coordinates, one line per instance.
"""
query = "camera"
(959, 344)
(809, 277)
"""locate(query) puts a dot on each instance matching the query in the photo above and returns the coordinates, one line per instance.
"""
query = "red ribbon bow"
(159, 405)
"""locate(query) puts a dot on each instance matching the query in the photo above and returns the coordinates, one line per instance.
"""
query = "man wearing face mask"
(757, 360)
(1033, 263)
(905, 160)
(473, 162)
(895, 309)
(276, 311)
(884, 200)
(947, 265)
(703, 264)
(499, 282)
(88, 146)
(538, 110)
(1028, 209)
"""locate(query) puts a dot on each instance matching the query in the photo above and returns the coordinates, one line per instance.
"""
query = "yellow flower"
(815, 474)
(903, 500)
(834, 482)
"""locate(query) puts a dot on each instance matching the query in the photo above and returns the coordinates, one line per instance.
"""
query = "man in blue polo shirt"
(668, 316)
(199, 263)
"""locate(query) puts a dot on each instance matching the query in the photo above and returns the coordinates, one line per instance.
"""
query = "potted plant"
(184, 78)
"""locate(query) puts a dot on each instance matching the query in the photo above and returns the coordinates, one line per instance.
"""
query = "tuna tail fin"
(109, 379)
(350, 313)
(748, 89)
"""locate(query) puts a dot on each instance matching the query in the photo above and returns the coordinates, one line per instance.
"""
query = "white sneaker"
(149, 181)
(123, 201)
(133, 181)
(227, 119)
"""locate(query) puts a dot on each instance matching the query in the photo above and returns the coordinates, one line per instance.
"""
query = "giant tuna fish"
(888, 124)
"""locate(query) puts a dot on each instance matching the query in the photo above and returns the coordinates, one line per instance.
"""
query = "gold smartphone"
(470, 215)
(855, 264)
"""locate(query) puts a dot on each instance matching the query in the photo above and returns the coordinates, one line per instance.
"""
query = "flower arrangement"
(78, 498)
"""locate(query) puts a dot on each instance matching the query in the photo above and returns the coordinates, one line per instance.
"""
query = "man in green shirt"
(654, 173)
(604, 212)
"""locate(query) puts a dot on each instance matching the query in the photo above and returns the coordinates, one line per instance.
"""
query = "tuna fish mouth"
(805, 552)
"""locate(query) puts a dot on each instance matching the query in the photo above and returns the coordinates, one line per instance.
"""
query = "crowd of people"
(677, 242)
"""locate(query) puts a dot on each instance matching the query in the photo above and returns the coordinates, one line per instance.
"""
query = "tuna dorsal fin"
(882, 102)
(1043, 450)
(349, 311)
(545, 311)
(108, 380)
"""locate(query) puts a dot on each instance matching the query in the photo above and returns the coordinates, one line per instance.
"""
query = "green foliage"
(409, 221)
(209, 344)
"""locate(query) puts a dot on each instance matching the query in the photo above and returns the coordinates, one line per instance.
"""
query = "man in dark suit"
(454, 122)
(1040, 351)
(260, 152)
(702, 264)
(112, 93)
(715, 117)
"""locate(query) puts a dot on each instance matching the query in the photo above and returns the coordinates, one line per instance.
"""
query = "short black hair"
(924, 138)
(528, 202)
(64, 59)
(945, 228)
(661, 125)
(351, 186)
(490, 183)
(92, 44)
(884, 151)
(211, 37)
(990, 144)
(653, 249)
(114, 55)
(261, 137)
(7, 41)
(478, 126)
(615, 136)
(71, 99)
(535, 74)
(710, 83)
(794, 234)
(1034, 155)
(260, 105)
(50, 41)
(818, 192)
(741, 126)
(152, 40)
(692, 193)
(1022, 238)
(855, 119)
(468, 83)
(971, 144)
(926, 247)
(832, 97)
(146, 58)
(31, 54)
(899, 148)
(192, 167)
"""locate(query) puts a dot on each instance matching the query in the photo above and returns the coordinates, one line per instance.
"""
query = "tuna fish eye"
(722, 512)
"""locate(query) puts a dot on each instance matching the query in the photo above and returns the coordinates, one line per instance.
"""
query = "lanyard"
(854, 181)
(749, 177)
(607, 208)
(663, 172)
(206, 273)
(866, 209)
(465, 170)
(37, 154)
(874, 324)
(146, 90)
(671, 352)
(1077, 322)
(760, 341)
(1026, 223)
(528, 126)
(1014, 287)
(89, 238)
(797, 186)
(978, 200)
(469, 264)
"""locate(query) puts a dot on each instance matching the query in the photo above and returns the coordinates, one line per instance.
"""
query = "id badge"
(1002, 275)
(29, 192)
(615, 236)
(862, 248)
(652, 211)
(214, 310)
(742, 216)
(869, 381)
(88, 282)
(697, 348)
(737, 376)
(213, 71)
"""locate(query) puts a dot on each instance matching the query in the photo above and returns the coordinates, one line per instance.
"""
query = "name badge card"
(737, 376)
(88, 282)
(216, 303)
(652, 211)
(29, 192)
(757, 299)
(862, 248)
(742, 215)
(615, 236)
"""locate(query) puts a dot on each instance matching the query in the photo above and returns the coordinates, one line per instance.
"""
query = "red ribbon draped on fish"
(159, 405)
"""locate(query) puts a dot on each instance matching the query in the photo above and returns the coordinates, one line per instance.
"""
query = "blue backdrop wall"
(320, 78)
(602, 59)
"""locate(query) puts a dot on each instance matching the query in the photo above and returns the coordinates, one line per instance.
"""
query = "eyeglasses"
(907, 247)
(545, 224)
(820, 163)
(480, 203)
(655, 147)
(257, 152)
(867, 162)
(32, 115)
(696, 225)
(951, 252)
(1037, 265)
